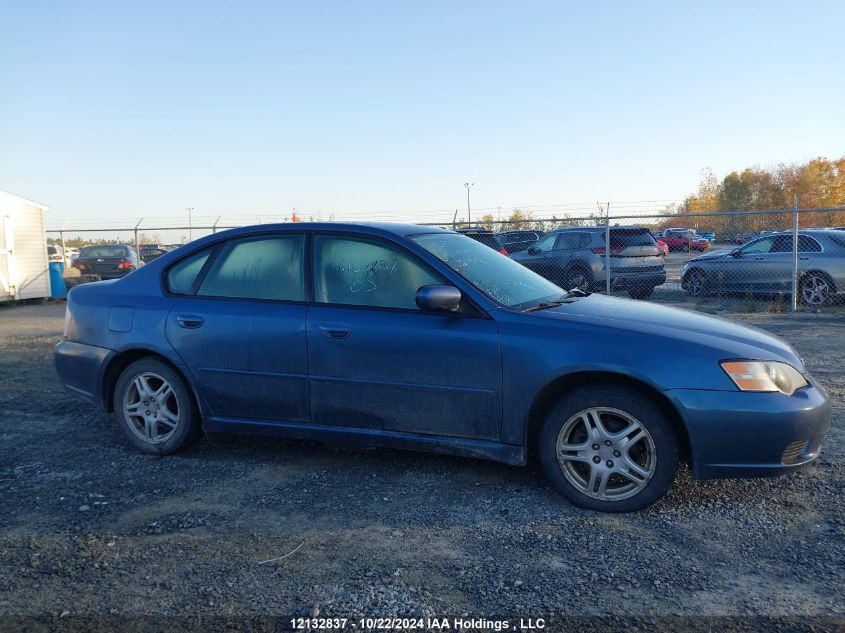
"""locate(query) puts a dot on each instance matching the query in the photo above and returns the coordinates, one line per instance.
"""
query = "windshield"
(500, 278)
(623, 238)
(103, 251)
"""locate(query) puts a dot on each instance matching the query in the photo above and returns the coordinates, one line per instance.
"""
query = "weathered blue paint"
(468, 383)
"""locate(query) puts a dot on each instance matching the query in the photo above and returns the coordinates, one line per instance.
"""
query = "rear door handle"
(334, 330)
(189, 321)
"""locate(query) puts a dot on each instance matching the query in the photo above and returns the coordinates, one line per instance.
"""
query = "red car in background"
(683, 240)
(662, 245)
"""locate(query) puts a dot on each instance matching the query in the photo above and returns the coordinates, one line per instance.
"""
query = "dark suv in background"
(484, 236)
(575, 258)
(518, 241)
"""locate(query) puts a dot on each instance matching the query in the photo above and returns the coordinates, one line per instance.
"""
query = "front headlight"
(754, 375)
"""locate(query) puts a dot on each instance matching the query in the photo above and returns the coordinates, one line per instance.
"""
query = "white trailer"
(24, 267)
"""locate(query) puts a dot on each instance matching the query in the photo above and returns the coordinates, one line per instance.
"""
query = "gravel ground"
(91, 530)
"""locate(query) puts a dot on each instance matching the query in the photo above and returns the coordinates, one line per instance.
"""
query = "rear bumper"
(636, 280)
(80, 368)
(742, 434)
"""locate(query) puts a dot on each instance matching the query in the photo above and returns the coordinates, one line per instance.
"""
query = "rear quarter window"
(183, 274)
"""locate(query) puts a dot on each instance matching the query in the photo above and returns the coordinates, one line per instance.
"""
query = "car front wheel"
(695, 283)
(154, 407)
(609, 448)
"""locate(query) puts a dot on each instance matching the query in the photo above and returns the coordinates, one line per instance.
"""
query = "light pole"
(190, 210)
(469, 212)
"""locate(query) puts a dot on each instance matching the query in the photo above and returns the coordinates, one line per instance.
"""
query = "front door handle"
(189, 321)
(334, 330)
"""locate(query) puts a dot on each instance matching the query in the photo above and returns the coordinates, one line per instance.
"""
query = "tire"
(155, 424)
(641, 292)
(685, 248)
(578, 277)
(695, 283)
(816, 288)
(653, 449)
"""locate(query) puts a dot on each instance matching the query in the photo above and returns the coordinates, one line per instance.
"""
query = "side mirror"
(533, 250)
(446, 298)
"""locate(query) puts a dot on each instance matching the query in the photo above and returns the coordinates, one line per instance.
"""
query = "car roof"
(613, 227)
(371, 228)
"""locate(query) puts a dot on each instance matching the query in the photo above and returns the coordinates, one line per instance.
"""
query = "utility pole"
(190, 210)
(469, 211)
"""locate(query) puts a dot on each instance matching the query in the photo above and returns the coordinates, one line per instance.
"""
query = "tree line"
(818, 183)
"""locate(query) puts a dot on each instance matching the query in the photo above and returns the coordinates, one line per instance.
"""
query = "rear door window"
(267, 267)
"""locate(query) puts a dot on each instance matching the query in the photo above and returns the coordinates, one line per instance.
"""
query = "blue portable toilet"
(57, 280)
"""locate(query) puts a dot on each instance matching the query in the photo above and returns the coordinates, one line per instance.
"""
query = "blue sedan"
(420, 338)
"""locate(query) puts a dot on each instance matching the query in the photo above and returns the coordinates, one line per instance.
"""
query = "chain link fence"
(773, 260)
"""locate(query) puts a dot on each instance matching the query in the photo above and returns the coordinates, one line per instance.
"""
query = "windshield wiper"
(570, 297)
(544, 306)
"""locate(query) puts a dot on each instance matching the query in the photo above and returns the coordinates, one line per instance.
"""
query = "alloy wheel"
(815, 290)
(151, 408)
(695, 284)
(606, 453)
(577, 280)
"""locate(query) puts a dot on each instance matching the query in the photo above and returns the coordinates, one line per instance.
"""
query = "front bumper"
(81, 368)
(745, 434)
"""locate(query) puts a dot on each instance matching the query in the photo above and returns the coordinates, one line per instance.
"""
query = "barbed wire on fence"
(702, 254)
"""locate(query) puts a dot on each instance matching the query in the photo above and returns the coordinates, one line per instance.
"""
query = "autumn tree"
(487, 221)
(520, 219)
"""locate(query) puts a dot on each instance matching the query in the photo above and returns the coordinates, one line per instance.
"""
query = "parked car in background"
(764, 266)
(419, 338)
(71, 253)
(484, 236)
(662, 246)
(149, 252)
(575, 258)
(742, 238)
(684, 240)
(710, 236)
(108, 261)
(55, 253)
(518, 241)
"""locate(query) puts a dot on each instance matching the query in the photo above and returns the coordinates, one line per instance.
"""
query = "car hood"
(728, 338)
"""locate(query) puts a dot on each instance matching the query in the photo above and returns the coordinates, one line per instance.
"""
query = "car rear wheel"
(609, 448)
(154, 407)
(816, 289)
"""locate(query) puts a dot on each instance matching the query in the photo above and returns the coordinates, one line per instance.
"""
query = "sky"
(113, 111)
